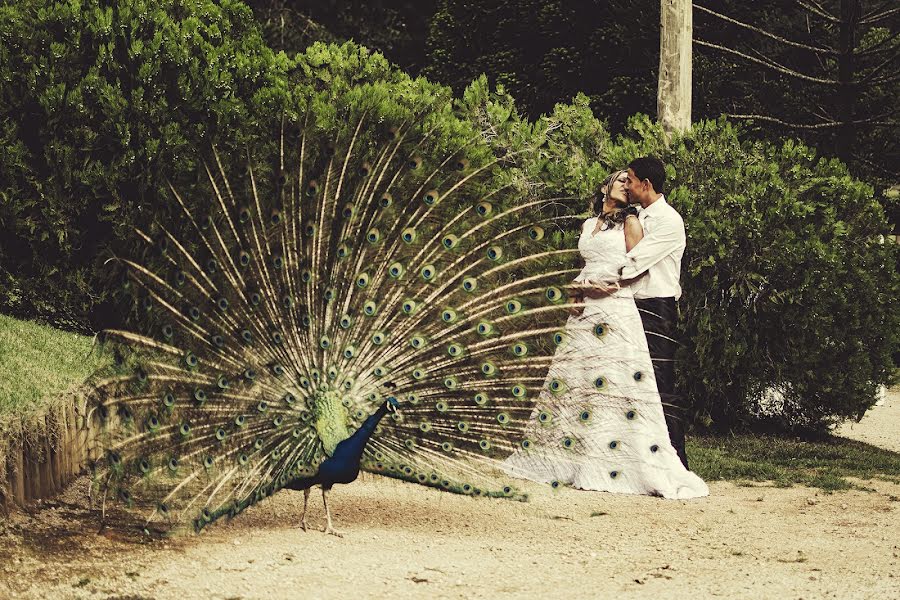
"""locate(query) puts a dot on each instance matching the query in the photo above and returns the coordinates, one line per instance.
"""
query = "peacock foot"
(329, 530)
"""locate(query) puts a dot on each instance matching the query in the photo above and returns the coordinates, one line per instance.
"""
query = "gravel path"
(405, 541)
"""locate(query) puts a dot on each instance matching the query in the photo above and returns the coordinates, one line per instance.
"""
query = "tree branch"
(770, 64)
(817, 9)
(879, 17)
(828, 51)
(829, 125)
(871, 74)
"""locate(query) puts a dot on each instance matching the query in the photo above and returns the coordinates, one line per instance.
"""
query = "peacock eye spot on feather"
(152, 423)
(246, 335)
(463, 426)
(184, 429)
(503, 418)
(277, 338)
(345, 321)
(365, 169)
(554, 294)
(415, 162)
(484, 208)
(630, 415)
(222, 382)
(638, 376)
(450, 241)
(370, 308)
(263, 406)
(168, 331)
(173, 464)
(430, 197)
(544, 417)
(310, 230)
(349, 352)
(408, 235)
(600, 383)
(484, 444)
(275, 217)
(536, 233)
(329, 295)
(305, 275)
(212, 265)
(113, 458)
(386, 200)
(495, 253)
(243, 459)
(194, 313)
(373, 236)
(312, 188)
(441, 406)
(428, 272)
(277, 421)
(600, 330)
(568, 442)
(222, 303)
(469, 284)
(190, 359)
(481, 399)
(168, 400)
(488, 368)
(255, 298)
(451, 383)
(395, 270)
(218, 341)
(519, 349)
(613, 474)
(585, 415)
(513, 306)
(554, 484)
(559, 338)
(287, 301)
(484, 328)
(654, 448)
(362, 280)
(613, 445)
(518, 390)
(162, 509)
(199, 396)
(243, 214)
(461, 164)
(526, 444)
(467, 488)
(446, 446)
(249, 374)
(277, 262)
(348, 211)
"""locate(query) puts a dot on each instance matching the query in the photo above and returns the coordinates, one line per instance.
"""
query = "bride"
(599, 423)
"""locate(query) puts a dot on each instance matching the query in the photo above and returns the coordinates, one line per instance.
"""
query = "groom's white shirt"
(658, 255)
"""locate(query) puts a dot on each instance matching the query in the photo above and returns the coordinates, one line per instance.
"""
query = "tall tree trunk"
(673, 95)
(846, 138)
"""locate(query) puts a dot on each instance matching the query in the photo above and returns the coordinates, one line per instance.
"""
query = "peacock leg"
(303, 524)
(329, 528)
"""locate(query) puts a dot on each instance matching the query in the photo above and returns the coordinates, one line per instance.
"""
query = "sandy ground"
(405, 541)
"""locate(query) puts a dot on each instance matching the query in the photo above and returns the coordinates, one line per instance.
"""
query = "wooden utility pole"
(673, 93)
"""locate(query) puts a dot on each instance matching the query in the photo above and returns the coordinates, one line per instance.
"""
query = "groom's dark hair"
(650, 167)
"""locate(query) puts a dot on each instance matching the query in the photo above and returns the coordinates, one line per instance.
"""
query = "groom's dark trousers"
(659, 316)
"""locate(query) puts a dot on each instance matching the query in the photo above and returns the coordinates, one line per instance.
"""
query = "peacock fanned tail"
(280, 306)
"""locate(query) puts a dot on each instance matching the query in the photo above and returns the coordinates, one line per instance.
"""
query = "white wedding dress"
(598, 423)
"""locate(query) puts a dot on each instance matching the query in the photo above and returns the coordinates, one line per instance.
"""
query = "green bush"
(788, 284)
(101, 103)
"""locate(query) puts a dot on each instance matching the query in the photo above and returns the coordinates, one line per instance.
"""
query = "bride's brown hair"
(600, 195)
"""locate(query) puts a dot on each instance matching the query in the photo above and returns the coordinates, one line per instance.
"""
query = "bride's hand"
(575, 304)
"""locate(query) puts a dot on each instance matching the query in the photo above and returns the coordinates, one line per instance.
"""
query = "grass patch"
(39, 363)
(824, 463)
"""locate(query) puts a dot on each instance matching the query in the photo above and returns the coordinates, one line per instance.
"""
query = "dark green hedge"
(786, 284)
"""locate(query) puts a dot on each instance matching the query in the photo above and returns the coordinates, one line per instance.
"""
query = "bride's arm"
(633, 232)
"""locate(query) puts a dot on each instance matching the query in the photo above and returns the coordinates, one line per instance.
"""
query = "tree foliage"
(786, 284)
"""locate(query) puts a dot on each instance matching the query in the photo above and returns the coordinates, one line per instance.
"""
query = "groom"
(652, 272)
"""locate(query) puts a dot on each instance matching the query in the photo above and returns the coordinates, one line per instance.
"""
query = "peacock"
(380, 293)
